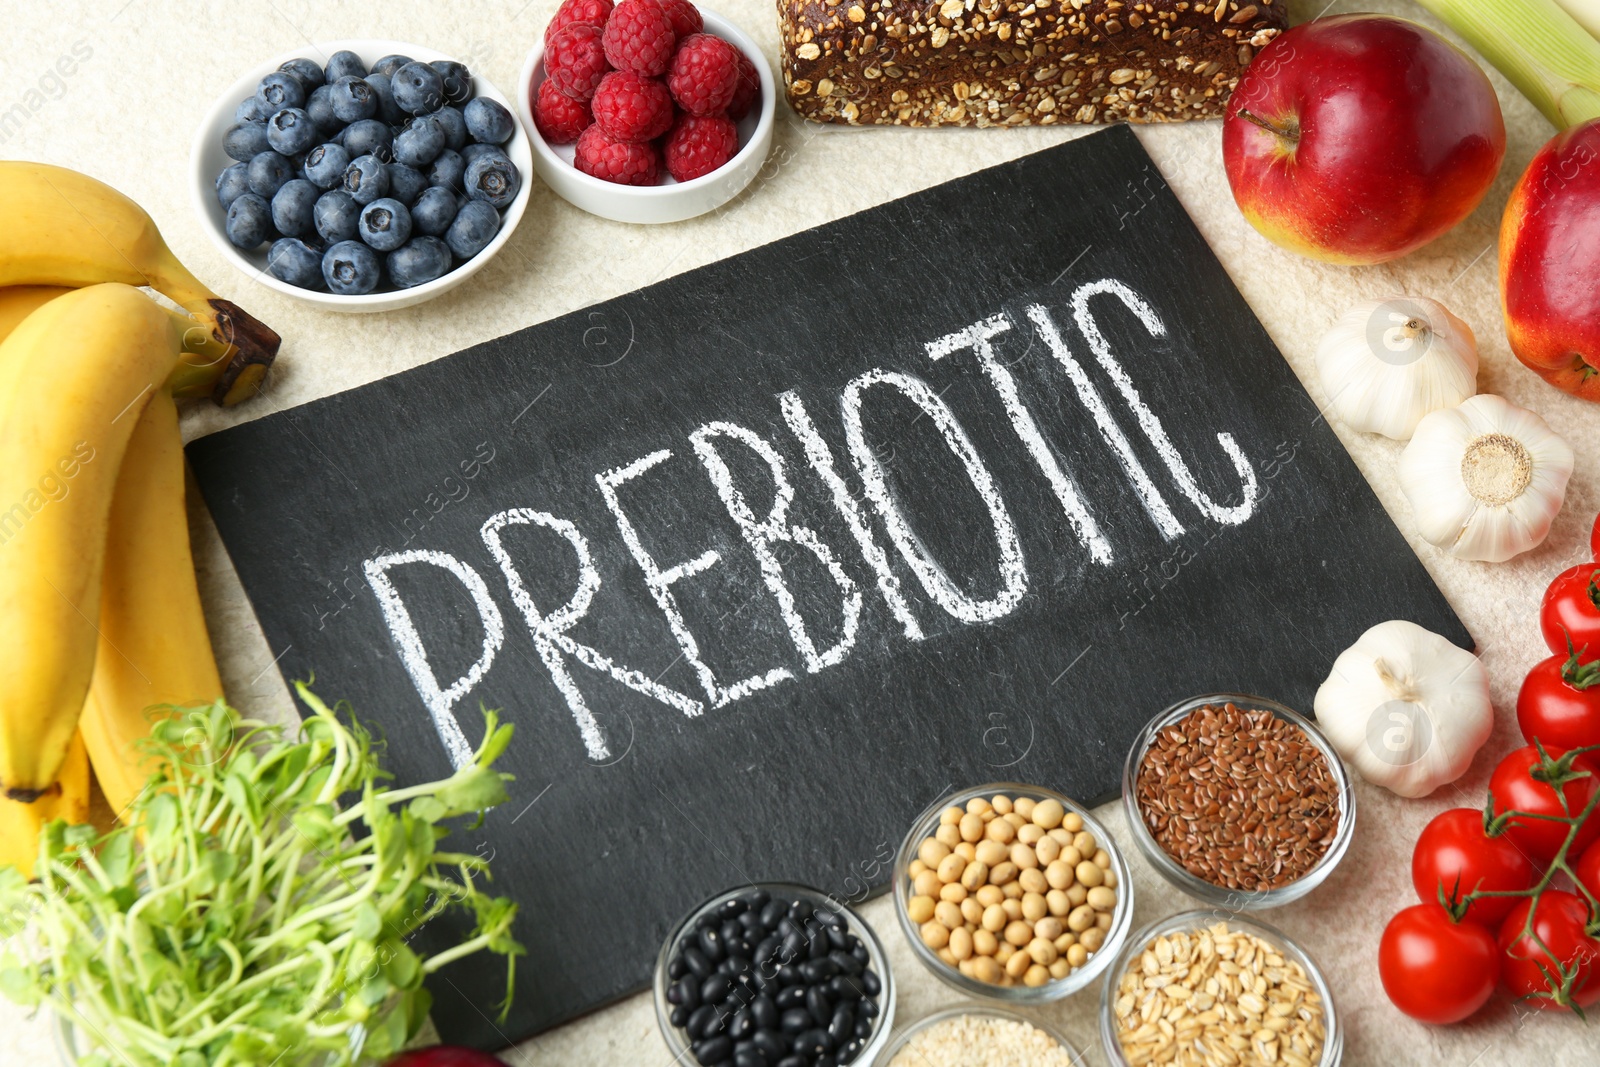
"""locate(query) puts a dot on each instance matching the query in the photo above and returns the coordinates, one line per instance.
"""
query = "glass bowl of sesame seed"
(969, 1034)
(1238, 800)
(1229, 988)
(1012, 893)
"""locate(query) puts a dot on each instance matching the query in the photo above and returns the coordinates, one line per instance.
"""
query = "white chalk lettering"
(976, 337)
(439, 700)
(660, 583)
(773, 529)
(821, 460)
(1148, 422)
(945, 592)
(549, 632)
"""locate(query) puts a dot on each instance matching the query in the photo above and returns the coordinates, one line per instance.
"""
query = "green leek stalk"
(1587, 12)
(1538, 46)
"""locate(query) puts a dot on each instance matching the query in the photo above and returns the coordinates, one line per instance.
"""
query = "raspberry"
(575, 60)
(699, 144)
(685, 17)
(704, 75)
(639, 37)
(749, 89)
(560, 118)
(631, 107)
(577, 12)
(611, 160)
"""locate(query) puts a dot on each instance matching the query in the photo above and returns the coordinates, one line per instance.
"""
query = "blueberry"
(474, 227)
(434, 211)
(292, 260)
(344, 64)
(422, 259)
(325, 165)
(291, 131)
(246, 140)
(418, 88)
(351, 268)
(385, 224)
(293, 208)
(455, 127)
(233, 183)
(406, 183)
(366, 179)
(250, 110)
(354, 100)
(319, 105)
(457, 80)
(337, 216)
(249, 221)
(494, 181)
(308, 72)
(268, 171)
(388, 110)
(420, 143)
(369, 137)
(488, 121)
(279, 90)
(474, 151)
(389, 64)
(449, 170)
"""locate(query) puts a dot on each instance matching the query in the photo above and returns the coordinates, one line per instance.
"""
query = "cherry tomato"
(1561, 922)
(1511, 789)
(1594, 538)
(1588, 869)
(1560, 702)
(1454, 854)
(1571, 609)
(1435, 969)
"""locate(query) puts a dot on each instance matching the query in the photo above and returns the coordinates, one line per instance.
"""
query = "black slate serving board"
(1022, 644)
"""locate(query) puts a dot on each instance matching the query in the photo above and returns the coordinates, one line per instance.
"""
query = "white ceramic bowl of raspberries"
(417, 218)
(648, 110)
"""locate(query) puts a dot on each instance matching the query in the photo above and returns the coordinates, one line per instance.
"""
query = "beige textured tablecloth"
(127, 114)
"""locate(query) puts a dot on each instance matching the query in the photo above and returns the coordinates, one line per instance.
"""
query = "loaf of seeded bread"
(1012, 62)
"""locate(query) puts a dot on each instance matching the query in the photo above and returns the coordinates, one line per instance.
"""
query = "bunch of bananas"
(100, 614)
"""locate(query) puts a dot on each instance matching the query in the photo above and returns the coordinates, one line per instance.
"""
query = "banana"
(99, 354)
(153, 647)
(17, 302)
(66, 228)
(68, 799)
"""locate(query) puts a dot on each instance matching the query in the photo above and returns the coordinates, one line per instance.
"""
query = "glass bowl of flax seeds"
(1238, 801)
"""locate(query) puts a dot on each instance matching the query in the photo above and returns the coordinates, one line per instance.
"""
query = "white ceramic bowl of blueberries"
(361, 175)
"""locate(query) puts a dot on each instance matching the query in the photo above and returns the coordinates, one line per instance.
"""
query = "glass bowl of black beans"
(774, 975)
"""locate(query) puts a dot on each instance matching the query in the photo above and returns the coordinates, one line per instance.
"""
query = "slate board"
(816, 777)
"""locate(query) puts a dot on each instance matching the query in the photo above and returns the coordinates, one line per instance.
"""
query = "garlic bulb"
(1406, 708)
(1386, 363)
(1485, 479)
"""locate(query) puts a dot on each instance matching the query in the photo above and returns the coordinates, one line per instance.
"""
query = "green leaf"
(402, 968)
(416, 1004)
(368, 924)
(472, 789)
(116, 856)
(428, 808)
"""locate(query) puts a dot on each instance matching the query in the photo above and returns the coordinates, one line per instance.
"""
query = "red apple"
(1358, 138)
(1550, 263)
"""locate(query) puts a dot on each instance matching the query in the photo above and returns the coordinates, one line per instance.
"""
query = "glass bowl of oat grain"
(1238, 801)
(1250, 995)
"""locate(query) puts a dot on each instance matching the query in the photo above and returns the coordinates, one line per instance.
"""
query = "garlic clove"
(1386, 364)
(1485, 479)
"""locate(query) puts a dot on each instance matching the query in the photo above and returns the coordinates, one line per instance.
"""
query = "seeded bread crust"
(1014, 63)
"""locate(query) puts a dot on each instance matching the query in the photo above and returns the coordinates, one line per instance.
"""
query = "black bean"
(817, 943)
(846, 963)
(864, 1026)
(794, 945)
(756, 899)
(789, 975)
(870, 983)
(800, 910)
(715, 988)
(712, 1050)
(750, 920)
(698, 965)
(840, 987)
(868, 1009)
(773, 913)
(839, 938)
(748, 1055)
(813, 1043)
(820, 970)
(678, 967)
(742, 1025)
(793, 997)
(765, 1012)
(731, 931)
(709, 940)
(684, 992)
(818, 1004)
(850, 1050)
(828, 917)
(731, 909)
(859, 951)
(679, 1016)
(703, 1022)
(770, 1041)
(842, 1027)
(767, 949)
(793, 1061)
(826, 1061)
